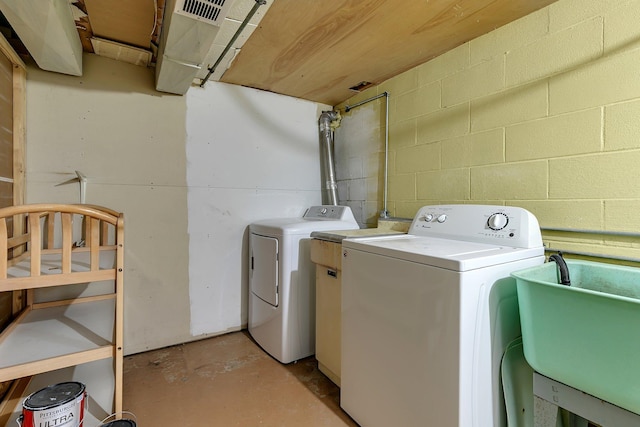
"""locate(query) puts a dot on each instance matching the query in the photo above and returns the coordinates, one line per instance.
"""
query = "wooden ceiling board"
(305, 49)
(125, 21)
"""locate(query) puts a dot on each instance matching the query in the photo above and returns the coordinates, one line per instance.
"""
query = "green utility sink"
(587, 335)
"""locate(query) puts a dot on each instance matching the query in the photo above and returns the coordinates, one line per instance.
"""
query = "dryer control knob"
(497, 221)
(442, 218)
(428, 217)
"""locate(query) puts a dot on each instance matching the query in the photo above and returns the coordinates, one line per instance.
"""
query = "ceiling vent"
(210, 11)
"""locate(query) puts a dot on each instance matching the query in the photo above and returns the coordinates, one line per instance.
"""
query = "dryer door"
(263, 267)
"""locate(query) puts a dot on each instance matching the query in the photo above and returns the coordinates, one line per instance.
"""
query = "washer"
(282, 280)
(426, 316)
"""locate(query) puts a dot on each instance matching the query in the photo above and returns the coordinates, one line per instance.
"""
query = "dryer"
(427, 316)
(282, 280)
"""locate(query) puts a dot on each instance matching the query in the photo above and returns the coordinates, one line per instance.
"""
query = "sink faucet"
(562, 268)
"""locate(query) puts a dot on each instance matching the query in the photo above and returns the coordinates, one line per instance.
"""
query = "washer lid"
(453, 255)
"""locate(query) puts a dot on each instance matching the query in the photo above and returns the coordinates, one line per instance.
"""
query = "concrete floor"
(228, 381)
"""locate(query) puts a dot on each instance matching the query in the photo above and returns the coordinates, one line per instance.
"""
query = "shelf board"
(19, 275)
(55, 337)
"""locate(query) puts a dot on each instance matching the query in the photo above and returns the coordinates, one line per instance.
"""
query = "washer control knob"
(323, 211)
(428, 217)
(442, 218)
(497, 221)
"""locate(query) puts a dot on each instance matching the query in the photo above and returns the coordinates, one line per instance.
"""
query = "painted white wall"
(128, 140)
(230, 155)
(251, 155)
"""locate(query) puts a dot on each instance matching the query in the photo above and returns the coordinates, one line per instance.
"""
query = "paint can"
(123, 422)
(59, 405)
(119, 423)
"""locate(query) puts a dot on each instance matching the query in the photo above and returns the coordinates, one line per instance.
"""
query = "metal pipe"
(594, 232)
(348, 108)
(326, 145)
(603, 232)
(384, 213)
(595, 255)
(233, 39)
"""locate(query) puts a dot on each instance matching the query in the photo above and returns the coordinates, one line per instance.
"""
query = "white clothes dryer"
(427, 316)
(282, 280)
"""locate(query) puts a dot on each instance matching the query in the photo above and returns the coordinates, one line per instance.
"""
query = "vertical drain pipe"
(384, 213)
(328, 121)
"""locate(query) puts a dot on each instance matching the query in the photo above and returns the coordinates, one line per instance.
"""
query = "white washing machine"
(426, 316)
(282, 280)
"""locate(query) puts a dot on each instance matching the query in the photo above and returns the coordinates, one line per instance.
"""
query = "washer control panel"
(505, 225)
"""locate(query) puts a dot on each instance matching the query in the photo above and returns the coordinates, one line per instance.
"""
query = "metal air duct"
(328, 121)
(48, 31)
(186, 38)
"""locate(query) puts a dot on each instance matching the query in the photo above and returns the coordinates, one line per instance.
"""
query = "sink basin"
(586, 335)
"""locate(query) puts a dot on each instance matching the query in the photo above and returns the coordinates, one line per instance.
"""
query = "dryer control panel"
(329, 212)
(500, 225)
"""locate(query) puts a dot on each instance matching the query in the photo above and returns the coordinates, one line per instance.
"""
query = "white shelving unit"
(67, 266)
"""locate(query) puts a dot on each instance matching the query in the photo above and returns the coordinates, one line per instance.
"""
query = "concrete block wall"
(359, 161)
(542, 113)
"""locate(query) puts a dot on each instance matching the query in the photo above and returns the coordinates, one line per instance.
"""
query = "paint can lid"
(54, 395)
